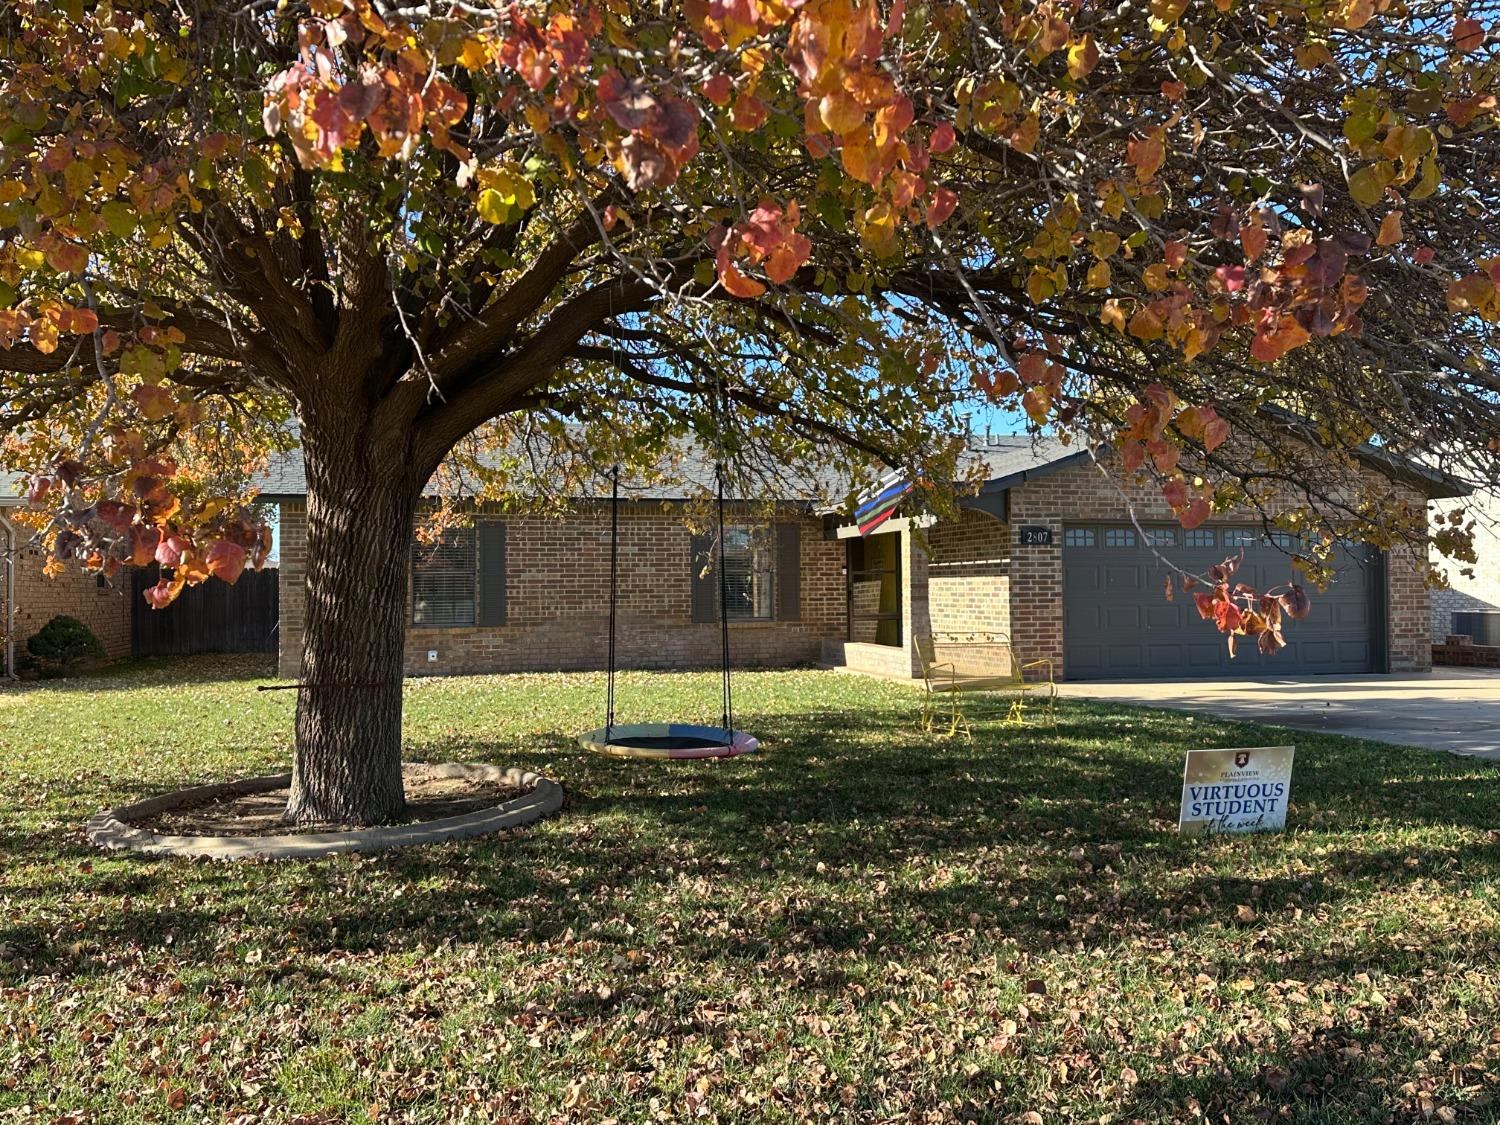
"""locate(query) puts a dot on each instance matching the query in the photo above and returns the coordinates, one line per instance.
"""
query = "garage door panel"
(1118, 623)
(1357, 616)
(1086, 577)
(1164, 616)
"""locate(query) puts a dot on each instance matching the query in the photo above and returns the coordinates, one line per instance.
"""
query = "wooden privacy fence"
(211, 617)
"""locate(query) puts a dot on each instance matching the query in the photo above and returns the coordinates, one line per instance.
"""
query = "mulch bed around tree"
(429, 796)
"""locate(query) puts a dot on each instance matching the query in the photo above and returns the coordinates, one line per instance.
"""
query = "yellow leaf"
(1099, 276)
(1083, 56)
(1039, 285)
(1390, 230)
(473, 55)
(1369, 183)
(492, 208)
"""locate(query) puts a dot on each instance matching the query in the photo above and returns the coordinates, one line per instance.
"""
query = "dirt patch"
(429, 796)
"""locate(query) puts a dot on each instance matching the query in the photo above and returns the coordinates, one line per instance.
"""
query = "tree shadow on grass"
(842, 798)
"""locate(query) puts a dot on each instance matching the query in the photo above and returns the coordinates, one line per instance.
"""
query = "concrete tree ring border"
(109, 829)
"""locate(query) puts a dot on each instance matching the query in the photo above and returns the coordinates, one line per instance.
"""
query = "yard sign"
(1243, 789)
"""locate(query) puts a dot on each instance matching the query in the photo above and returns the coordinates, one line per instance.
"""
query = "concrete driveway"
(1453, 709)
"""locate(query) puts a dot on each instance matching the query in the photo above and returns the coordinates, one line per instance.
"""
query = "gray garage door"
(1117, 623)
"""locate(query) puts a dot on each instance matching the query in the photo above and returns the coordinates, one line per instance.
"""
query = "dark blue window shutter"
(491, 572)
(705, 579)
(789, 571)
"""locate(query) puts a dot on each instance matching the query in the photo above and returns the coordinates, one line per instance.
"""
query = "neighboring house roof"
(12, 490)
(285, 478)
(1003, 462)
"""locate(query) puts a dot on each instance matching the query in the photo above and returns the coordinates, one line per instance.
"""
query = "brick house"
(1044, 552)
(1480, 590)
(29, 599)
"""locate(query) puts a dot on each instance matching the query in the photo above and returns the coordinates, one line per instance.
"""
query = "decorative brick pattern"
(968, 576)
(104, 609)
(557, 600)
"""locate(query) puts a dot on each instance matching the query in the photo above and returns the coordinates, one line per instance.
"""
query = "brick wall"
(557, 600)
(104, 609)
(1482, 589)
(968, 575)
(1082, 493)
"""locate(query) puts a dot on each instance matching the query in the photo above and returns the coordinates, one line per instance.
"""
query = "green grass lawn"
(860, 924)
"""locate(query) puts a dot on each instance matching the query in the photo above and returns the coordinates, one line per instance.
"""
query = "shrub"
(63, 642)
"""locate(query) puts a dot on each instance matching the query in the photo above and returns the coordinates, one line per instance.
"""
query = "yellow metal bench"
(982, 665)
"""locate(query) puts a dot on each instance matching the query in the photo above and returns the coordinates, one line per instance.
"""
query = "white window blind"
(749, 573)
(442, 580)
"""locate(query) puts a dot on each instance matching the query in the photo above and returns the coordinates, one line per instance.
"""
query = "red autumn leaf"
(1205, 605)
(1295, 603)
(1270, 642)
(628, 103)
(82, 322)
(718, 89)
(1468, 35)
(1215, 432)
(1032, 367)
(164, 593)
(1174, 253)
(171, 550)
(1175, 493)
(154, 402)
(1196, 513)
(944, 200)
(225, 560)
(144, 540)
(1252, 241)
(1232, 278)
(1146, 154)
(735, 283)
(1171, 588)
(1164, 455)
(943, 138)
(1227, 616)
(645, 163)
(115, 514)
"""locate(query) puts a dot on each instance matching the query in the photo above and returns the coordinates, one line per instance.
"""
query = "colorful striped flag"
(882, 505)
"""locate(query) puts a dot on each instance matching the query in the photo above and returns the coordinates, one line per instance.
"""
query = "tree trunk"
(347, 765)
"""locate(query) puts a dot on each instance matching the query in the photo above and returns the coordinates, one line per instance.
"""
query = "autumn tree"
(790, 230)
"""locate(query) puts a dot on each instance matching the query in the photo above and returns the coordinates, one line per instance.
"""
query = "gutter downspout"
(10, 597)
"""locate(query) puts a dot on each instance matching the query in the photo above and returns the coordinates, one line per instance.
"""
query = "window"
(442, 580)
(1119, 537)
(875, 590)
(1078, 537)
(749, 573)
(1240, 538)
(1286, 540)
(1161, 537)
(1200, 537)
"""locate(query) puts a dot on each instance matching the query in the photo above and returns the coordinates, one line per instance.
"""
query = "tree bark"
(361, 503)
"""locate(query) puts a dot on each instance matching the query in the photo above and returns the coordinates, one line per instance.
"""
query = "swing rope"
(724, 610)
(614, 587)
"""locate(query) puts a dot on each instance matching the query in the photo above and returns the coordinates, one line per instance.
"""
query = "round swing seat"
(667, 740)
